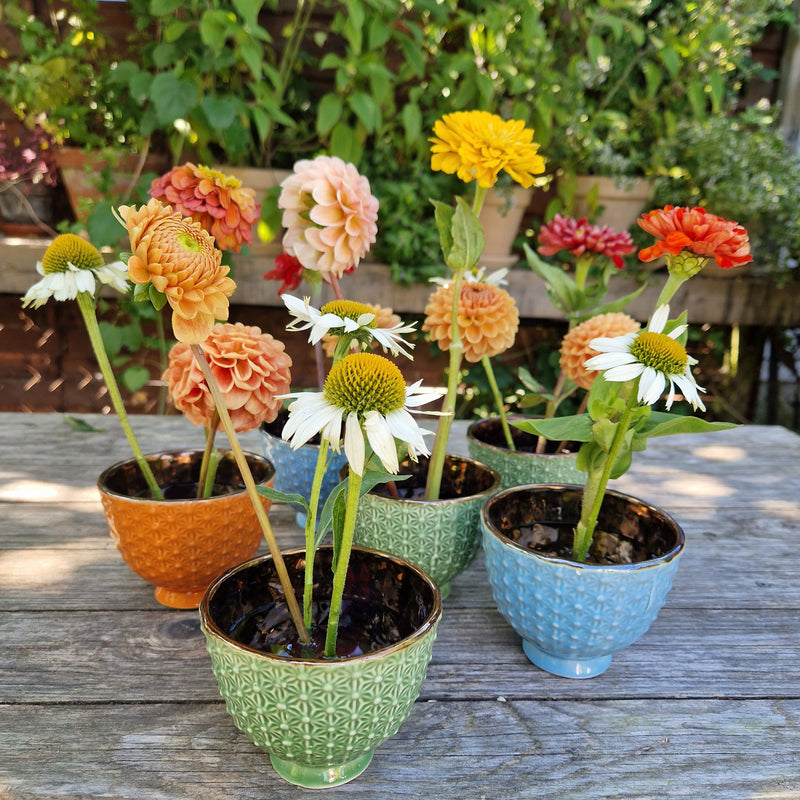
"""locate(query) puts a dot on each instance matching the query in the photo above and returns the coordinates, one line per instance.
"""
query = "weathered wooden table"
(104, 693)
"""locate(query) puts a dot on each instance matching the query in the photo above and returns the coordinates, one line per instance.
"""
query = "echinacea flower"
(288, 270)
(179, 258)
(680, 229)
(251, 369)
(367, 393)
(219, 202)
(487, 319)
(329, 214)
(71, 265)
(478, 145)
(652, 356)
(340, 317)
(385, 321)
(576, 346)
(579, 237)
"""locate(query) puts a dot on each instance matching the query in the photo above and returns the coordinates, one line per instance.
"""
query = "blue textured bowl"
(573, 617)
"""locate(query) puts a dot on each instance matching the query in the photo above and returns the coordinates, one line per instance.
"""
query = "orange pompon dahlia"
(696, 230)
(251, 368)
(478, 145)
(578, 237)
(487, 319)
(384, 318)
(217, 201)
(575, 349)
(179, 258)
(329, 214)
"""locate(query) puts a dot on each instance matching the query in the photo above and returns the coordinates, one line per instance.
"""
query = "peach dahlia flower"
(329, 214)
(179, 258)
(217, 201)
(251, 368)
(575, 349)
(487, 319)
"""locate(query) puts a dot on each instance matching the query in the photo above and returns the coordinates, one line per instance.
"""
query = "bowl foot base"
(173, 599)
(565, 667)
(320, 777)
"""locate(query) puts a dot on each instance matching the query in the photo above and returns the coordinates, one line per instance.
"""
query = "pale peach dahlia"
(251, 368)
(575, 349)
(219, 202)
(329, 214)
(179, 258)
(487, 319)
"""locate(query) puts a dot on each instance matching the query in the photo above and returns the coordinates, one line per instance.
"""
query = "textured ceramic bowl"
(441, 536)
(520, 467)
(181, 545)
(294, 469)
(321, 719)
(573, 617)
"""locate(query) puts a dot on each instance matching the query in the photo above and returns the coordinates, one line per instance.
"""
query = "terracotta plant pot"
(501, 217)
(621, 202)
(180, 545)
(486, 443)
(572, 616)
(441, 536)
(321, 719)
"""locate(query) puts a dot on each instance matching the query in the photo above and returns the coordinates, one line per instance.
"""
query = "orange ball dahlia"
(487, 319)
(329, 214)
(217, 201)
(251, 368)
(179, 258)
(575, 350)
(696, 230)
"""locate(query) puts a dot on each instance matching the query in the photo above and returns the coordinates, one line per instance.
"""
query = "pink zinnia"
(578, 237)
(329, 214)
(696, 230)
(217, 201)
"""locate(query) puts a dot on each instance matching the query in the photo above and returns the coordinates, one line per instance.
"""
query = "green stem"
(582, 265)
(163, 360)
(671, 286)
(342, 562)
(87, 307)
(596, 484)
(211, 432)
(252, 491)
(498, 401)
(311, 526)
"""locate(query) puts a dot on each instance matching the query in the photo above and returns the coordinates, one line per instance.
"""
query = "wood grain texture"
(104, 693)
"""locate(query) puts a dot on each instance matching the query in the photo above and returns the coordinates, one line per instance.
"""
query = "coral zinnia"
(477, 145)
(487, 319)
(577, 236)
(250, 367)
(576, 349)
(179, 258)
(217, 201)
(329, 214)
(288, 270)
(696, 230)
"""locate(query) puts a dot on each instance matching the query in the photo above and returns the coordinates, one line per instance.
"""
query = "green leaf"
(283, 497)
(607, 308)
(467, 238)
(671, 60)
(141, 292)
(346, 143)
(662, 423)
(365, 108)
(161, 8)
(111, 336)
(172, 97)
(329, 112)
(325, 519)
(220, 111)
(563, 291)
(80, 425)
(135, 377)
(339, 511)
(559, 429)
(215, 25)
(103, 227)
(604, 431)
(158, 299)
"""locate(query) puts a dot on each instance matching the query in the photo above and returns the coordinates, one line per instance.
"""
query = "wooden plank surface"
(104, 693)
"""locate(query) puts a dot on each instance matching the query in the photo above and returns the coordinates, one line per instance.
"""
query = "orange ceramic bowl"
(181, 545)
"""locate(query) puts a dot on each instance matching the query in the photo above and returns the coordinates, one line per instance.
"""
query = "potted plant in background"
(27, 176)
(582, 572)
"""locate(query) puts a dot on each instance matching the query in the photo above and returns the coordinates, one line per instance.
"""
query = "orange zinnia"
(217, 201)
(179, 258)
(575, 349)
(487, 319)
(250, 367)
(696, 230)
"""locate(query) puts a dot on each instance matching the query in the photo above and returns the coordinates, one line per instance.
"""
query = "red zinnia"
(287, 269)
(704, 234)
(577, 236)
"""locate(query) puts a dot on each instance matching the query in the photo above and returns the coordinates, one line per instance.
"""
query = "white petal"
(613, 344)
(609, 360)
(659, 319)
(296, 306)
(677, 331)
(690, 390)
(85, 281)
(415, 398)
(405, 428)
(305, 418)
(354, 444)
(651, 385)
(624, 372)
(38, 294)
(381, 440)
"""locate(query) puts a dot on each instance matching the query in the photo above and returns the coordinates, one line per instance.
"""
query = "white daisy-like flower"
(365, 392)
(343, 317)
(496, 278)
(652, 356)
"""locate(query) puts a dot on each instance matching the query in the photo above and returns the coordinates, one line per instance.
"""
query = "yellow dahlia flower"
(576, 348)
(477, 145)
(487, 319)
(179, 258)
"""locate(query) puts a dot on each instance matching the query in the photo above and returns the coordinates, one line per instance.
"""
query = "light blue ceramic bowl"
(573, 617)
